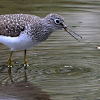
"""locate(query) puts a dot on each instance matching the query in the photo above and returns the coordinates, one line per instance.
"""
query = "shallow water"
(61, 66)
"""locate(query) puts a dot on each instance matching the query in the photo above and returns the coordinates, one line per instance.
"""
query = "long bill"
(68, 30)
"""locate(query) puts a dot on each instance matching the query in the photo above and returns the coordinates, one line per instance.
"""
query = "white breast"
(22, 42)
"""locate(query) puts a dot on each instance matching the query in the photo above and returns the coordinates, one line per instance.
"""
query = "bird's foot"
(26, 65)
(9, 66)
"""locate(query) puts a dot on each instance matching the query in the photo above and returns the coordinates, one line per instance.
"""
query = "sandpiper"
(23, 31)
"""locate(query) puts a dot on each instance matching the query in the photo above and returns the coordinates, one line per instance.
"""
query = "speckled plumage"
(39, 28)
(23, 31)
(13, 24)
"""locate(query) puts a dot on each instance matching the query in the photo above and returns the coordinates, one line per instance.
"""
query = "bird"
(23, 31)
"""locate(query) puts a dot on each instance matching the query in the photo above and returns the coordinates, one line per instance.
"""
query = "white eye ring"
(57, 21)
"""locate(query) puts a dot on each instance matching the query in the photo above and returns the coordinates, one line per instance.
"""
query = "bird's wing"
(13, 24)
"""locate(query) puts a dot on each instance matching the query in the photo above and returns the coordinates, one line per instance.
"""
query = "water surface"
(61, 66)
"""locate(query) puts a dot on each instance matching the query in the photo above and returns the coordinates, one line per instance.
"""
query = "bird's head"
(58, 23)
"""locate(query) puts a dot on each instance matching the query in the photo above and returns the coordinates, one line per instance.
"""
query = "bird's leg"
(9, 59)
(9, 62)
(25, 60)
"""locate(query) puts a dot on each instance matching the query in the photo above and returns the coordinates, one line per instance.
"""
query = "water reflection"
(22, 90)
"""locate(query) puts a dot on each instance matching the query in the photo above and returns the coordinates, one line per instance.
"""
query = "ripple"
(68, 70)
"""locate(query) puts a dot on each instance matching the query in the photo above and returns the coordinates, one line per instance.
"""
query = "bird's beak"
(69, 30)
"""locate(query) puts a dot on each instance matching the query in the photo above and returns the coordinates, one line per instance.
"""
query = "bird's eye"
(57, 21)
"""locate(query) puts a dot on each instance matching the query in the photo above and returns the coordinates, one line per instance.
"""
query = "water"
(61, 66)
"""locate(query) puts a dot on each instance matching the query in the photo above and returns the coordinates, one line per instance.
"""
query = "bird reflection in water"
(22, 91)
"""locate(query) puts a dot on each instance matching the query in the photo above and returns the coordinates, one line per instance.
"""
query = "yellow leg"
(9, 63)
(9, 59)
(25, 60)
